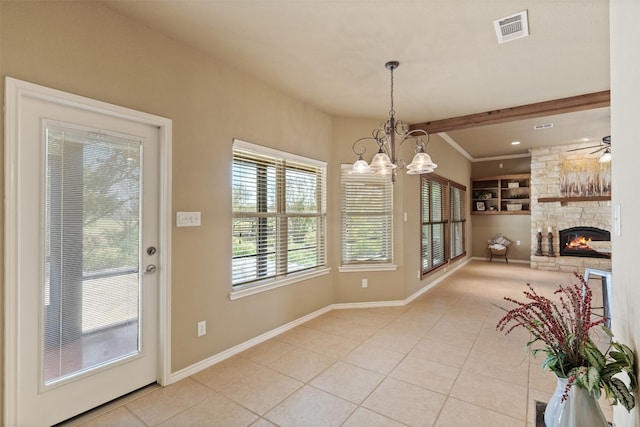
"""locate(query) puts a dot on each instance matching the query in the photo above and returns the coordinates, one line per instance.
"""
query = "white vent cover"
(512, 27)
(543, 126)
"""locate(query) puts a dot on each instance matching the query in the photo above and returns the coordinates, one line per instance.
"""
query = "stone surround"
(545, 182)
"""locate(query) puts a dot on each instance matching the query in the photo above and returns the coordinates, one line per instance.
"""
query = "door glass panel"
(91, 289)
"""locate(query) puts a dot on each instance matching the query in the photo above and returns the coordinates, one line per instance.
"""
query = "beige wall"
(86, 49)
(399, 284)
(501, 167)
(625, 174)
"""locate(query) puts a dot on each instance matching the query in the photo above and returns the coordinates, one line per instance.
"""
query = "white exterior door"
(84, 269)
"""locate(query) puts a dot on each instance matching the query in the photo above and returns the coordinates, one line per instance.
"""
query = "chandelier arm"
(362, 149)
(413, 135)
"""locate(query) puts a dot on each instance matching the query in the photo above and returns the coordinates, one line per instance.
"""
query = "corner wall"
(625, 136)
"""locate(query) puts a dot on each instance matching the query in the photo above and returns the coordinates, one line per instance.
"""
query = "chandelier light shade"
(606, 156)
(389, 137)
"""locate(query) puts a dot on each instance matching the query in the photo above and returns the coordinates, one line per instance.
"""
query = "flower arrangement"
(563, 328)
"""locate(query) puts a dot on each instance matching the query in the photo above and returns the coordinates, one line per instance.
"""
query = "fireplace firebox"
(575, 241)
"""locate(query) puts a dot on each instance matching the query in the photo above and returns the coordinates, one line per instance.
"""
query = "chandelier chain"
(392, 111)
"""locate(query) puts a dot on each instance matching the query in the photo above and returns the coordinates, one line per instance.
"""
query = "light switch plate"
(187, 219)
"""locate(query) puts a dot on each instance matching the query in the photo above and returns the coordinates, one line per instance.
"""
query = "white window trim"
(248, 289)
(366, 266)
(355, 268)
(274, 283)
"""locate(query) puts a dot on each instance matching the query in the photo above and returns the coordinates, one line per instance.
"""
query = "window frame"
(445, 220)
(462, 211)
(281, 162)
(383, 210)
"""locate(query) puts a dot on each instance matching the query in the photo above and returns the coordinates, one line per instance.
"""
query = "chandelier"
(389, 137)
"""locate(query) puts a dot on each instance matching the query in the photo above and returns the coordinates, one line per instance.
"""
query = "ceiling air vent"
(543, 126)
(512, 27)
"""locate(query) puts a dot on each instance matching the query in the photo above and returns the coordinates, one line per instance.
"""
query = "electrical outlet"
(518, 242)
(202, 328)
(365, 283)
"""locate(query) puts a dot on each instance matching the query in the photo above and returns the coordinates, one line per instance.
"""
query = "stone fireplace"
(562, 216)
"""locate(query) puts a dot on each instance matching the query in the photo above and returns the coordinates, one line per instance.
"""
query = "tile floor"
(436, 362)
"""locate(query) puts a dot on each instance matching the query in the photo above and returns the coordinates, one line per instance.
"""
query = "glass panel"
(254, 249)
(92, 239)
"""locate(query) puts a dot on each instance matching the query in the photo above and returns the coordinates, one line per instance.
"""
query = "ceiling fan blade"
(584, 148)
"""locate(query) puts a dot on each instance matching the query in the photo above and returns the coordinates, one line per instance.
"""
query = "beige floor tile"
(299, 336)
(363, 417)
(348, 381)
(164, 403)
(430, 375)
(456, 413)
(404, 362)
(263, 423)
(311, 407)
(513, 368)
(440, 351)
(215, 410)
(268, 351)
(500, 396)
(374, 358)
(333, 346)
(451, 335)
(224, 374)
(539, 379)
(261, 390)
(395, 340)
(302, 364)
(119, 417)
(405, 403)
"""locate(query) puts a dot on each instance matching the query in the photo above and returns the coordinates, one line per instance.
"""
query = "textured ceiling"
(331, 54)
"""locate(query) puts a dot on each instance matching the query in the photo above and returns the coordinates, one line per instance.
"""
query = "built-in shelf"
(501, 195)
(574, 199)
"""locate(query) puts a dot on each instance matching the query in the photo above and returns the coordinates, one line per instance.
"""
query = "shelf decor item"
(485, 195)
(562, 329)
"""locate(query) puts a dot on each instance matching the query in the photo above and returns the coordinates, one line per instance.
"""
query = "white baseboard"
(217, 358)
(515, 261)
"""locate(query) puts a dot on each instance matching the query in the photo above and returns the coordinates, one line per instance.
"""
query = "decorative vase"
(579, 409)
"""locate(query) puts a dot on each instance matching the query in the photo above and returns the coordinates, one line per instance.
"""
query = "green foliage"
(564, 328)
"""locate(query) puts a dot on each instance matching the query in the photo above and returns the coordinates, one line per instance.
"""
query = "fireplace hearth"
(575, 241)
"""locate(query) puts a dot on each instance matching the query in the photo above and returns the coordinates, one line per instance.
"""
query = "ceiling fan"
(604, 146)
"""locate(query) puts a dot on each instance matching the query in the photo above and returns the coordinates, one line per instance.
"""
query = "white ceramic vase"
(579, 409)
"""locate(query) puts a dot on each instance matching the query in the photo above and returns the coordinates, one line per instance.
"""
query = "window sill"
(355, 268)
(267, 285)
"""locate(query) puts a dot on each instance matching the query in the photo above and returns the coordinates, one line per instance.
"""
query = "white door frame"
(15, 92)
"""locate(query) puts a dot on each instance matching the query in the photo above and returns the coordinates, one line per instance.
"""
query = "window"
(279, 214)
(367, 218)
(443, 221)
(458, 219)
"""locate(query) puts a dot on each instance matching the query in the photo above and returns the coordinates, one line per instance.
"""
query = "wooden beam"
(540, 109)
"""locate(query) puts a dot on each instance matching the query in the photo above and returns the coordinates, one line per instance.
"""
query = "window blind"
(434, 221)
(279, 213)
(458, 219)
(367, 218)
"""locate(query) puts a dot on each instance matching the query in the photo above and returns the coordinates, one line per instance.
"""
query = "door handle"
(151, 268)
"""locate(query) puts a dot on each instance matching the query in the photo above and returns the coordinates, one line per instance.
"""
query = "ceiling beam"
(539, 109)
